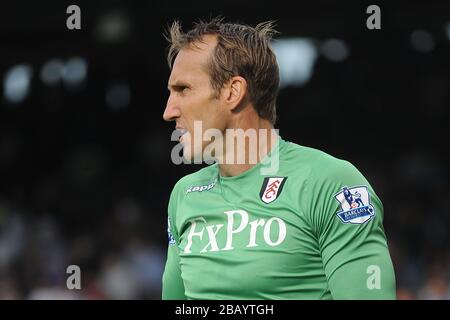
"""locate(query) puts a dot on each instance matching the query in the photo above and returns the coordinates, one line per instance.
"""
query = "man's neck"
(250, 153)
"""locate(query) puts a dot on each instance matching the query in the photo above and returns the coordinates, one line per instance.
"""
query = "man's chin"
(196, 157)
(189, 156)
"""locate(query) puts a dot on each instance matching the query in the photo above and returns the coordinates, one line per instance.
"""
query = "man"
(280, 226)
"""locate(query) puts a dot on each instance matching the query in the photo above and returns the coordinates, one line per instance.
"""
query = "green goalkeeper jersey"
(299, 225)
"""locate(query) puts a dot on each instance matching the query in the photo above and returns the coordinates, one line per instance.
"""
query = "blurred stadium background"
(85, 170)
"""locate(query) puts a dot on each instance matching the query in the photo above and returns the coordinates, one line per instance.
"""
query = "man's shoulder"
(319, 164)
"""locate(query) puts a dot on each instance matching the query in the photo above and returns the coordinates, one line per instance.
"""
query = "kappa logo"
(201, 188)
(271, 188)
(355, 205)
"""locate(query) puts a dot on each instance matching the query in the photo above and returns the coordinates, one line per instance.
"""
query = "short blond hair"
(241, 50)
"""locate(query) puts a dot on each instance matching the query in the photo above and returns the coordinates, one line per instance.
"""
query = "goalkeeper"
(269, 219)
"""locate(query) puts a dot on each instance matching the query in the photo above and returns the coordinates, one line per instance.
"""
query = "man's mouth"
(182, 132)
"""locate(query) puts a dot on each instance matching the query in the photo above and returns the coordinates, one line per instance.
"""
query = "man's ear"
(236, 91)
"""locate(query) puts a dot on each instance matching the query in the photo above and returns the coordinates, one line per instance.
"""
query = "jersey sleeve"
(172, 283)
(347, 218)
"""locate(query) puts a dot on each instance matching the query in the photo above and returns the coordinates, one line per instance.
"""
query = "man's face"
(192, 98)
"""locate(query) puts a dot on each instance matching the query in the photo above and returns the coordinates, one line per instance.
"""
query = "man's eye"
(180, 89)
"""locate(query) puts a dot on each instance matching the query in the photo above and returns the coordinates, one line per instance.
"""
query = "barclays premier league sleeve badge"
(355, 205)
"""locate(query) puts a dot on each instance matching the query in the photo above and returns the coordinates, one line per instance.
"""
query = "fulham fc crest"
(271, 188)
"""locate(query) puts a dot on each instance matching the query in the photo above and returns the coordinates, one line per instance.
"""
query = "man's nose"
(172, 111)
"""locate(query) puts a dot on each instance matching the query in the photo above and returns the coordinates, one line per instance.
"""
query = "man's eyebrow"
(178, 84)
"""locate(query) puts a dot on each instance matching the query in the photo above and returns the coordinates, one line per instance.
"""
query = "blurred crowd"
(116, 261)
(417, 223)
